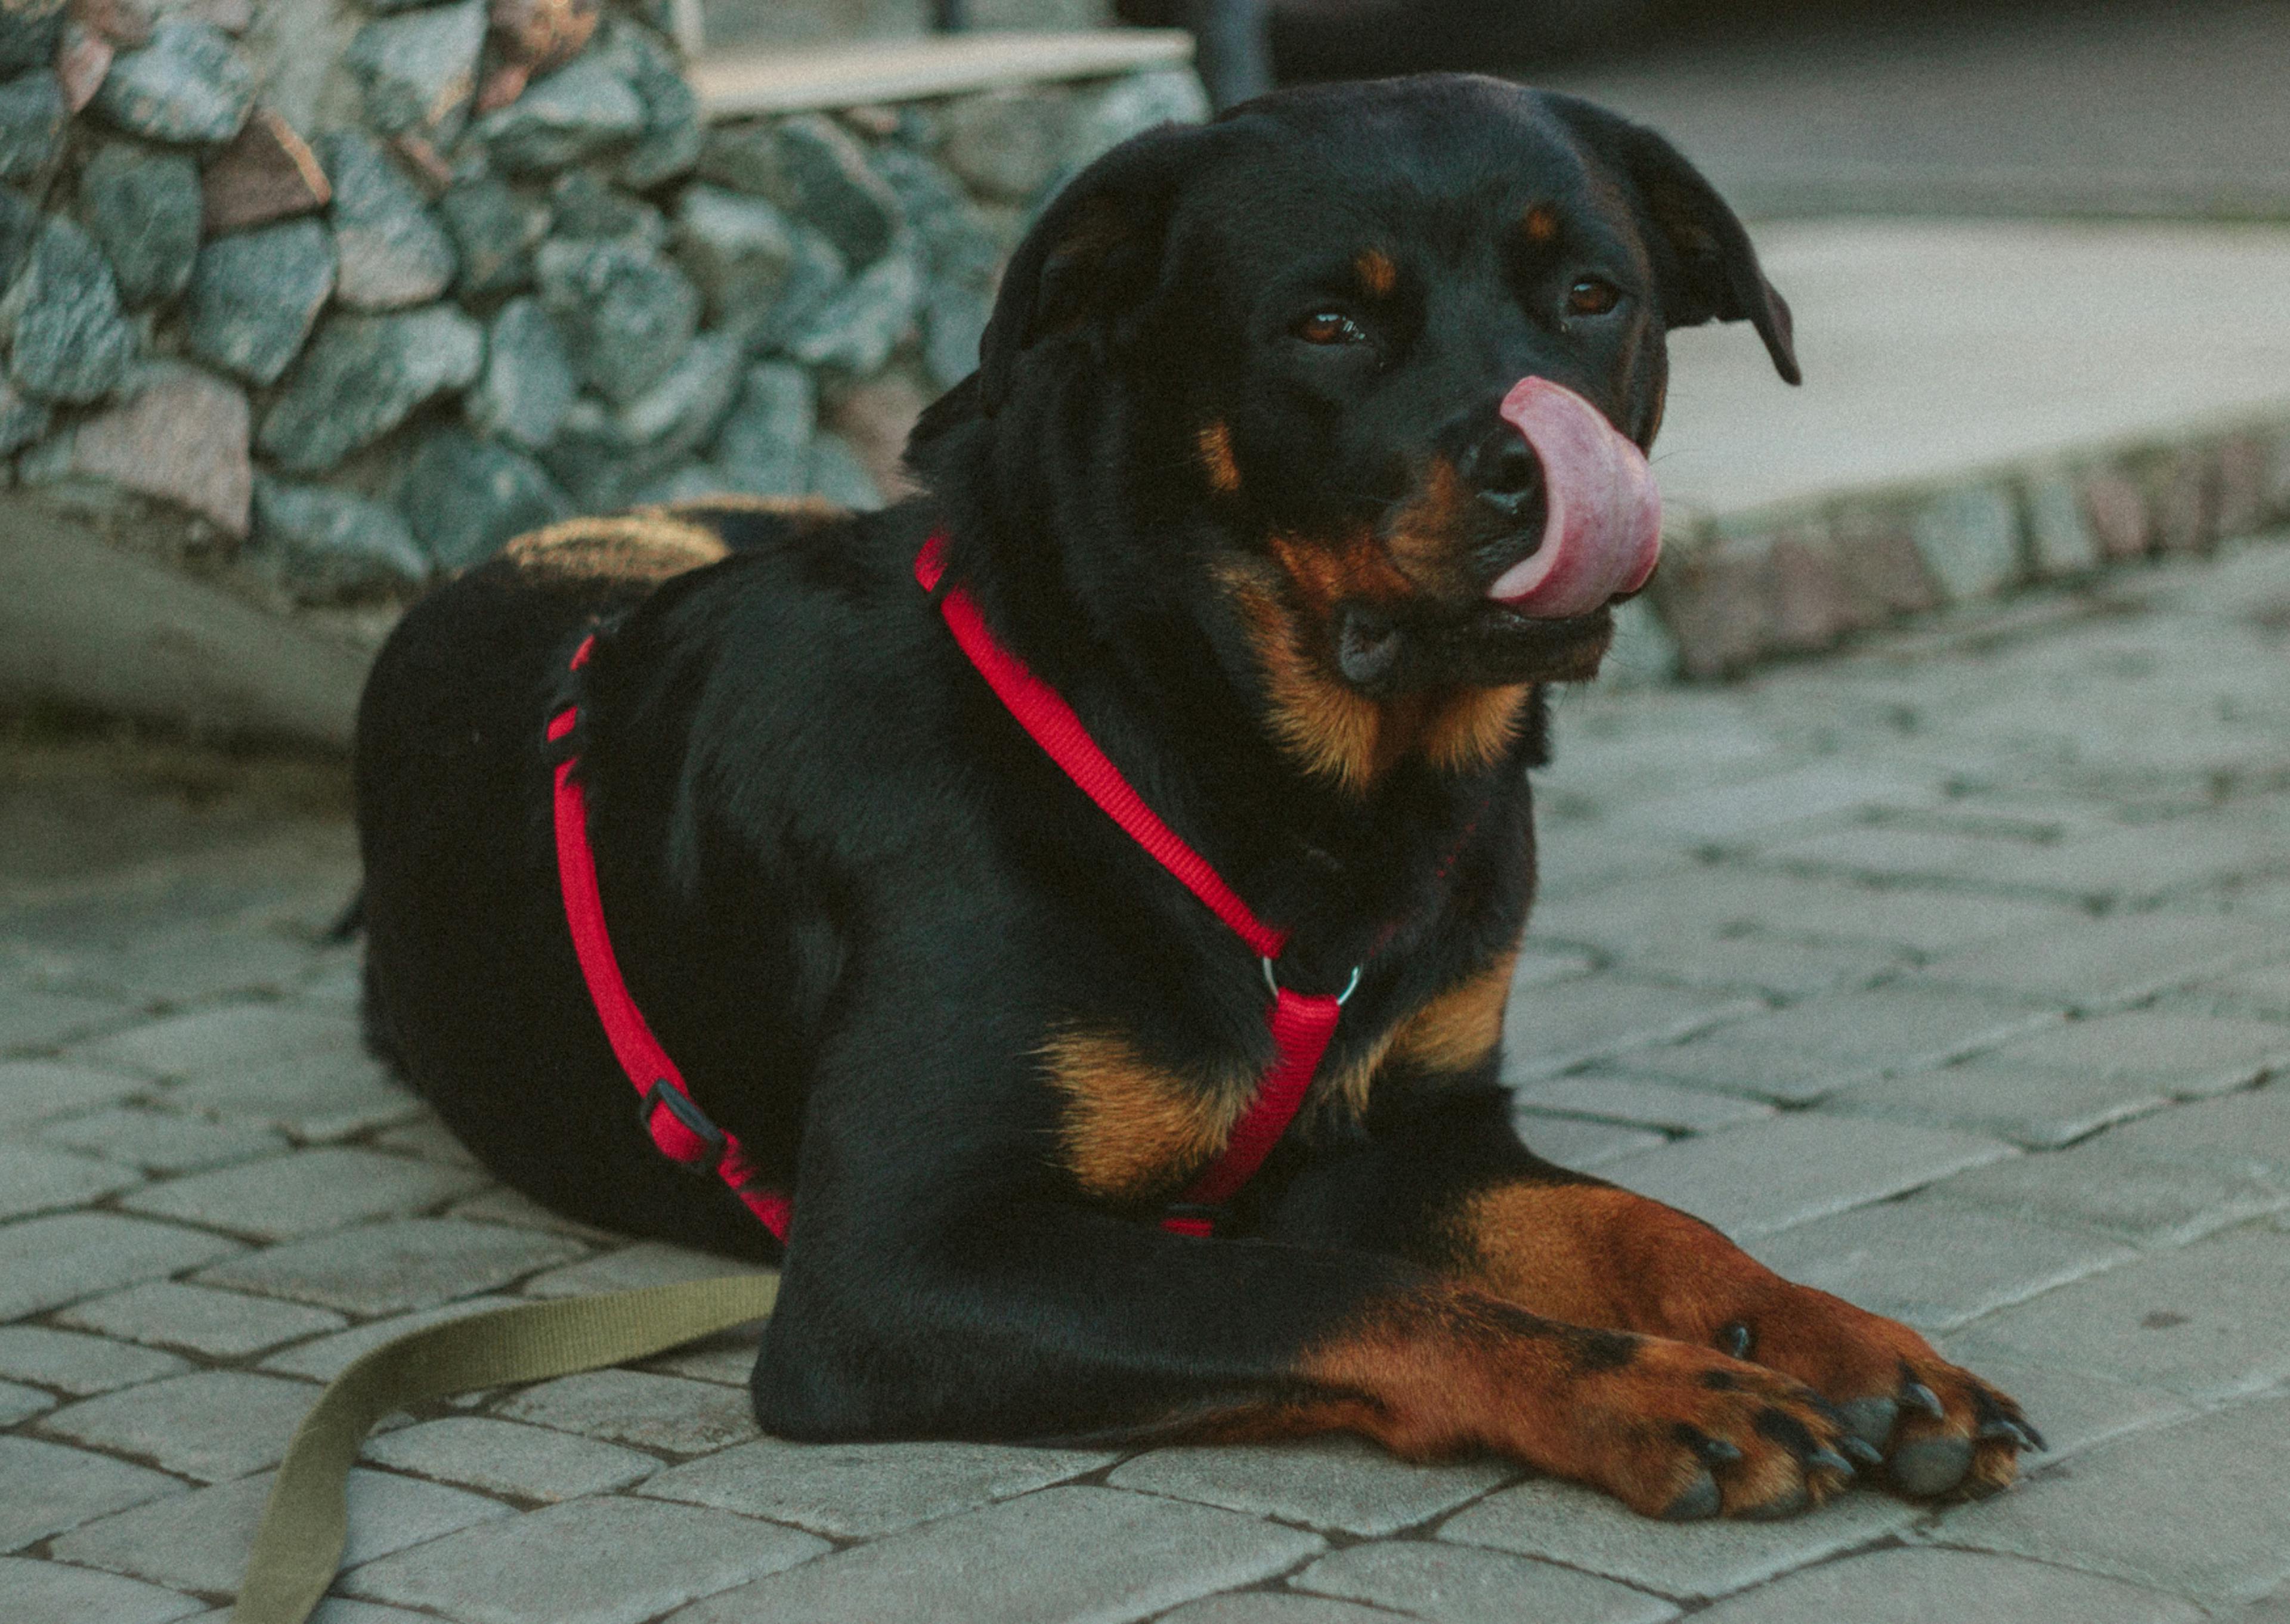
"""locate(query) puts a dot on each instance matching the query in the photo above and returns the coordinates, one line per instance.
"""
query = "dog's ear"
(1712, 273)
(1096, 253)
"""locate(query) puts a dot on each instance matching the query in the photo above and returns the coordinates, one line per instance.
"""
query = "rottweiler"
(1304, 453)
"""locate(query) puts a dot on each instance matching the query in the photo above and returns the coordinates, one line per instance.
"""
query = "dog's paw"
(1927, 1427)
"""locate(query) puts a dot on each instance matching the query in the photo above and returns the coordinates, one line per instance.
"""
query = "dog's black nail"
(1830, 1458)
(1917, 1395)
(1734, 1340)
(1719, 1452)
(2020, 1436)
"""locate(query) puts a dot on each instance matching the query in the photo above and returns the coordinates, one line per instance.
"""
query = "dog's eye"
(1592, 297)
(1330, 327)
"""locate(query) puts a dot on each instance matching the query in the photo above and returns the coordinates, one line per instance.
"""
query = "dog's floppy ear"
(1095, 252)
(1713, 275)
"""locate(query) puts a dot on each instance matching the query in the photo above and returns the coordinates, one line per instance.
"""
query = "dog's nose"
(1504, 469)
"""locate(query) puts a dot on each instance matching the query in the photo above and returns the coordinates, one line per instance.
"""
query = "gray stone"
(1009, 144)
(306, 1193)
(2058, 534)
(219, 1324)
(36, 1181)
(630, 1268)
(1559, 1025)
(2244, 1135)
(740, 252)
(953, 324)
(212, 1424)
(199, 1541)
(683, 411)
(255, 296)
(637, 1407)
(2107, 964)
(495, 229)
(856, 329)
(190, 83)
(31, 125)
(46, 1262)
(20, 1403)
(1342, 1483)
(1756, 962)
(584, 206)
(1934, 1264)
(857, 1491)
(34, 1090)
(673, 128)
(322, 545)
(1916, 1587)
(957, 243)
(1452, 1584)
(45, 1489)
(2220, 1477)
(529, 382)
(1061, 1554)
(839, 476)
(419, 71)
(214, 1042)
(765, 446)
(29, 33)
(1606, 1097)
(387, 1267)
(361, 376)
(19, 228)
(1572, 1142)
(163, 1142)
(1129, 106)
(68, 339)
(809, 167)
(22, 418)
(582, 109)
(179, 435)
(2038, 1110)
(503, 1458)
(464, 497)
(2206, 1322)
(2105, 1186)
(628, 314)
(1970, 540)
(1814, 1048)
(79, 1366)
(1273, 1607)
(33, 1018)
(329, 1357)
(604, 1560)
(55, 1593)
(1767, 1176)
(392, 253)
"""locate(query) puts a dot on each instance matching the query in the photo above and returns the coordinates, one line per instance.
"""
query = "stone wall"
(315, 303)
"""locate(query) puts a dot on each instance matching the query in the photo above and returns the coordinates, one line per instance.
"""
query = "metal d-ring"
(1343, 998)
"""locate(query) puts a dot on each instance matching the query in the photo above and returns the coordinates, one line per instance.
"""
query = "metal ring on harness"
(1351, 986)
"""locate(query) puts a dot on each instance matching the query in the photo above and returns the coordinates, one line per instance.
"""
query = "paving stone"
(36, 1181)
(2263, 991)
(1566, 1522)
(727, 1359)
(2107, 964)
(198, 962)
(1340, 1483)
(2105, 1186)
(1551, 1027)
(2244, 1135)
(46, 1488)
(2206, 1322)
(33, 1018)
(218, 1041)
(1915, 1587)
(1991, 1094)
(393, 253)
(1263, 1607)
(387, 1268)
(326, 1094)
(1814, 1048)
(596, 1561)
(46, 1262)
(651, 1412)
(1062, 1553)
(857, 1491)
(2215, 1480)
(329, 1357)
(503, 1458)
(37, 1090)
(632, 1267)
(431, 1140)
(211, 1425)
(199, 1541)
(305, 1192)
(1764, 962)
(1934, 1263)
(504, 1206)
(1755, 808)
(190, 83)
(163, 1141)
(79, 1366)
(219, 1324)
(1767, 1176)
(1455, 1584)
(54, 1593)
(21, 1402)
(2074, 1409)
(1572, 1142)
(1613, 1096)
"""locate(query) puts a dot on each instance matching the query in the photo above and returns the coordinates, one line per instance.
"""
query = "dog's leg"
(1448, 1184)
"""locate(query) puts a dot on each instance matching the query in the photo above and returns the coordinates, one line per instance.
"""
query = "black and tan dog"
(1302, 454)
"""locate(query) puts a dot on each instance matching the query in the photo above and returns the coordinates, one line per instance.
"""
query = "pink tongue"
(1603, 531)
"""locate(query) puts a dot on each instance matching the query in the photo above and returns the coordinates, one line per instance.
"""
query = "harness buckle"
(1343, 998)
(679, 1105)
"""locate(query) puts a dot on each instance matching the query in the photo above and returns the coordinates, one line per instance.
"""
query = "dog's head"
(1375, 366)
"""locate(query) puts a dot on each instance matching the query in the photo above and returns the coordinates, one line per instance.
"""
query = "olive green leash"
(303, 1525)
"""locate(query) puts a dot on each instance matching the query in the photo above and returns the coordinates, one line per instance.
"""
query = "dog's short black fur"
(1229, 476)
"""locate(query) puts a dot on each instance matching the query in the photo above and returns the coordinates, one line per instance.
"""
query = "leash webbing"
(299, 1540)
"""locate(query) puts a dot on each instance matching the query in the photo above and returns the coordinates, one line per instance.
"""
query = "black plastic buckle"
(662, 1092)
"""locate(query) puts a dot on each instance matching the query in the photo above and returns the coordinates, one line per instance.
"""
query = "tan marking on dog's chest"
(1132, 1125)
(1459, 1028)
(1215, 443)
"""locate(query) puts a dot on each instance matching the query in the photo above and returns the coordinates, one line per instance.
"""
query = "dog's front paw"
(1937, 1429)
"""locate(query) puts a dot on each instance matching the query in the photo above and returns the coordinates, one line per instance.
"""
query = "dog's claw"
(1870, 1419)
(1831, 1459)
(1917, 1395)
(1734, 1340)
(1862, 1451)
(1718, 1452)
(2023, 1436)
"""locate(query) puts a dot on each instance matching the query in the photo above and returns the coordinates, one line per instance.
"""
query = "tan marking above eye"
(1377, 273)
(1540, 224)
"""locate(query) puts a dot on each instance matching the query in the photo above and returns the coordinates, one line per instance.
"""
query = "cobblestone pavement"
(1953, 975)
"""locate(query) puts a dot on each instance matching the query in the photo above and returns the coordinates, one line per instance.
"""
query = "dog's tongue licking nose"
(1603, 531)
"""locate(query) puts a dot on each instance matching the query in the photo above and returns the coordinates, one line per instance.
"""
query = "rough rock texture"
(267, 172)
(361, 377)
(628, 312)
(181, 437)
(321, 545)
(464, 497)
(420, 71)
(529, 381)
(68, 339)
(143, 206)
(254, 297)
(391, 252)
(190, 83)
(31, 124)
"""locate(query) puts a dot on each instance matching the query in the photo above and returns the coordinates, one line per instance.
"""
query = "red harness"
(1301, 1024)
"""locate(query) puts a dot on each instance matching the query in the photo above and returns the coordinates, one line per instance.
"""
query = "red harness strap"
(1301, 1024)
